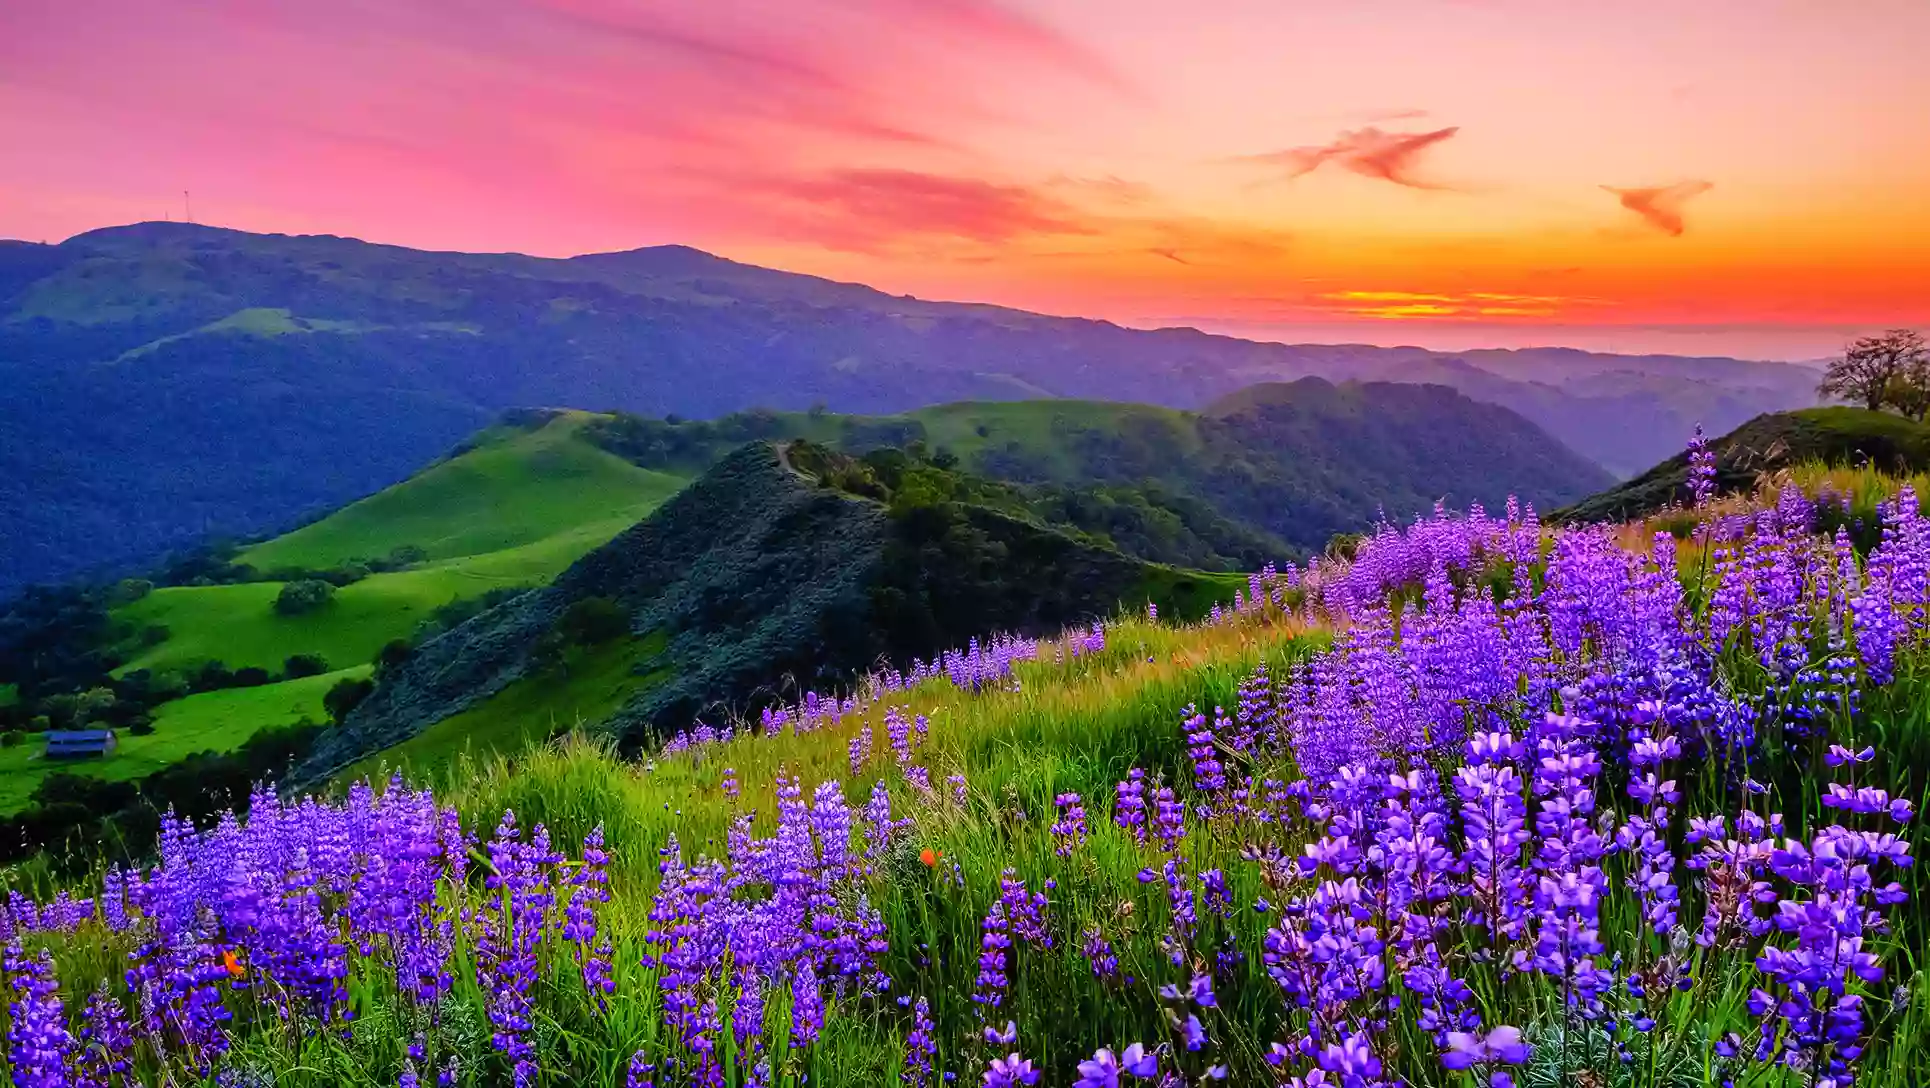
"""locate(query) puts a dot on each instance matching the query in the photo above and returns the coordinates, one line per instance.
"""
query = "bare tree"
(1879, 370)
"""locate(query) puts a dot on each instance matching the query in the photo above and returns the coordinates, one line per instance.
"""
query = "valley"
(223, 383)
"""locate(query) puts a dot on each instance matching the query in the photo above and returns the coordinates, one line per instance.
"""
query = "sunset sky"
(1720, 176)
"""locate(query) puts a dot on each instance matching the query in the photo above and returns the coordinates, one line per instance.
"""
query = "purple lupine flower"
(1010, 1072)
(1098, 952)
(898, 734)
(1069, 830)
(40, 1050)
(807, 1007)
(1502, 1044)
(1702, 468)
(1209, 775)
(1169, 818)
(990, 992)
(921, 1049)
(1103, 1069)
(1129, 808)
(860, 751)
(1024, 911)
(106, 1042)
(512, 933)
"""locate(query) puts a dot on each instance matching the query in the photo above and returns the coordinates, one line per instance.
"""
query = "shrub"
(300, 665)
(251, 676)
(403, 556)
(347, 574)
(212, 676)
(593, 621)
(306, 595)
(346, 696)
(393, 654)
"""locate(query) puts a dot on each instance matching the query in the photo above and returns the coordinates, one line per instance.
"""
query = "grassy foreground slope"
(774, 874)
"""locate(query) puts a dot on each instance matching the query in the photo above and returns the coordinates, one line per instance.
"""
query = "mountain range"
(161, 383)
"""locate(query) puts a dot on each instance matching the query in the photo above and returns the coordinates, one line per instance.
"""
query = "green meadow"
(214, 721)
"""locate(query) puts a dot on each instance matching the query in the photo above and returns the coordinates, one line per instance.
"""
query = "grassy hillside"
(214, 721)
(781, 566)
(1298, 462)
(511, 485)
(589, 685)
(1836, 437)
(512, 508)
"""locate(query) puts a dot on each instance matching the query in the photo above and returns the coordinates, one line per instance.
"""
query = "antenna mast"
(187, 209)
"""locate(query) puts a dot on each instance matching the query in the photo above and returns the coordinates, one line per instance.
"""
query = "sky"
(1740, 177)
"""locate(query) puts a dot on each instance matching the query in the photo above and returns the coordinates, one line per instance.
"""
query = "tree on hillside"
(1879, 370)
(1910, 392)
(345, 696)
(303, 596)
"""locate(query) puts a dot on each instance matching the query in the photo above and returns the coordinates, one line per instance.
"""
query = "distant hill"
(783, 564)
(1834, 436)
(160, 383)
(1299, 462)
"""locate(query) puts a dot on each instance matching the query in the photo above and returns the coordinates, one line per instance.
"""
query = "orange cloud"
(1369, 152)
(1661, 207)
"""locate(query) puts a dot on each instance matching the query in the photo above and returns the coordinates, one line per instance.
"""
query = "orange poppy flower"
(233, 963)
(929, 856)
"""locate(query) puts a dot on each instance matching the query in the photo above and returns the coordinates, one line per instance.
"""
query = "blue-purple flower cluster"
(1525, 804)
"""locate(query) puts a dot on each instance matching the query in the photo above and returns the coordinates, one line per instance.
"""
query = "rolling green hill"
(513, 507)
(1843, 437)
(518, 483)
(783, 565)
(510, 508)
(1298, 461)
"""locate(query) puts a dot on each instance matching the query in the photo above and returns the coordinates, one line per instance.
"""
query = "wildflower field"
(1485, 803)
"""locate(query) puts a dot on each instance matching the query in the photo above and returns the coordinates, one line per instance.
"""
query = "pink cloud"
(869, 209)
(1369, 152)
(605, 118)
(1661, 207)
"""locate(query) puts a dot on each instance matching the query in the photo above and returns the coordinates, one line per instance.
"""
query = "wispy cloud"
(866, 208)
(991, 22)
(1369, 152)
(1661, 207)
(1110, 189)
(964, 218)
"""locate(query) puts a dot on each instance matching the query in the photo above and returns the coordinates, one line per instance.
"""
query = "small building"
(80, 743)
